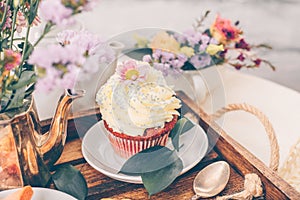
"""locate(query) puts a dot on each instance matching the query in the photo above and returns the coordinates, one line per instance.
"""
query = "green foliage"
(157, 181)
(149, 160)
(182, 126)
(68, 179)
(33, 11)
(158, 166)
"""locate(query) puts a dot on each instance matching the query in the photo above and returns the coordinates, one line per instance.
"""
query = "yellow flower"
(188, 51)
(141, 42)
(165, 42)
(212, 49)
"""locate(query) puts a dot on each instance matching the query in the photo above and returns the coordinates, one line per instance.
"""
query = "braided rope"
(274, 158)
(252, 188)
(290, 170)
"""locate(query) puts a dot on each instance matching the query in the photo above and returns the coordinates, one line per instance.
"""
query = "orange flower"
(223, 31)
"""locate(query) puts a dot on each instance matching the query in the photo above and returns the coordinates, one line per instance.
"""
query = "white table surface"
(279, 103)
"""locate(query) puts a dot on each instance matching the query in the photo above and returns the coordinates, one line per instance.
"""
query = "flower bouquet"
(198, 48)
(27, 66)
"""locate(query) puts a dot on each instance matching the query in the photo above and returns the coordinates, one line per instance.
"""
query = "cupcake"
(138, 108)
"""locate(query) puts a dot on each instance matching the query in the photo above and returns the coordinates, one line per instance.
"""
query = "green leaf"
(28, 50)
(33, 11)
(47, 27)
(155, 182)
(68, 179)
(149, 160)
(4, 44)
(138, 54)
(182, 126)
(27, 77)
(17, 99)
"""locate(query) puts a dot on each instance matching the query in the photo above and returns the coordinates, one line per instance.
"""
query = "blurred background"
(274, 22)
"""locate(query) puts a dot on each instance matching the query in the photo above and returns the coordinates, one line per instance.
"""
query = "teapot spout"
(51, 143)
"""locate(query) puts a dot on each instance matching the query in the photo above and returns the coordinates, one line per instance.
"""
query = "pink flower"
(242, 44)
(241, 57)
(12, 59)
(82, 39)
(60, 66)
(21, 22)
(130, 71)
(91, 44)
(257, 61)
(8, 20)
(47, 83)
(223, 31)
(54, 11)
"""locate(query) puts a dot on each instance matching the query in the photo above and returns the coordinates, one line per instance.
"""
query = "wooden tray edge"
(246, 162)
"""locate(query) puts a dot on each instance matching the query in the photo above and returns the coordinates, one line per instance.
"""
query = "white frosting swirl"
(132, 108)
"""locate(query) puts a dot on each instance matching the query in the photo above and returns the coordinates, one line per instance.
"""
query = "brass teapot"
(26, 153)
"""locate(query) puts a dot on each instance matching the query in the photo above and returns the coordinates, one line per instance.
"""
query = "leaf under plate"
(68, 179)
(155, 182)
(182, 126)
(149, 160)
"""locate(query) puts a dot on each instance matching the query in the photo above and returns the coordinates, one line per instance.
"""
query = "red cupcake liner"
(126, 145)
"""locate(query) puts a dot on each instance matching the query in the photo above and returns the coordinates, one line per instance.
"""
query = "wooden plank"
(101, 186)
(71, 152)
(242, 160)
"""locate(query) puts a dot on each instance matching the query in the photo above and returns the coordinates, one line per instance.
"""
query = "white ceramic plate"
(42, 194)
(99, 153)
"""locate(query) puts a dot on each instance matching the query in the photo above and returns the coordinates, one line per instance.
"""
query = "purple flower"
(176, 63)
(241, 57)
(192, 36)
(8, 20)
(162, 67)
(180, 37)
(147, 58)
(66, 37)
(205, 39)
(60, 64)
(166, 56)
(82, 39)
(68, 81)
(54, 11)
(213, 41)
(202, 47)
(242, 44)
(157, 54)
(47, 83)
(90, 44)
(257, 61)
(200, 61)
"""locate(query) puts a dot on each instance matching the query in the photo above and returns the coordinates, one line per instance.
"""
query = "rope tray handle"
(274, 157)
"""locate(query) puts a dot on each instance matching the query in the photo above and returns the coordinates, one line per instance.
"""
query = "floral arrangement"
(198, 48)
(25, 66)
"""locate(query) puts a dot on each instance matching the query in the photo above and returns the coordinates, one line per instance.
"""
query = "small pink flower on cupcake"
(132, 72)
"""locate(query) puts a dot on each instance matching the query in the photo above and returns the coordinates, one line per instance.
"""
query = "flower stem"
(13, 27)
(24, 51)
(47, 29)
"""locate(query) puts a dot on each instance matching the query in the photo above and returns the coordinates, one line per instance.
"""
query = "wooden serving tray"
(241, 162)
